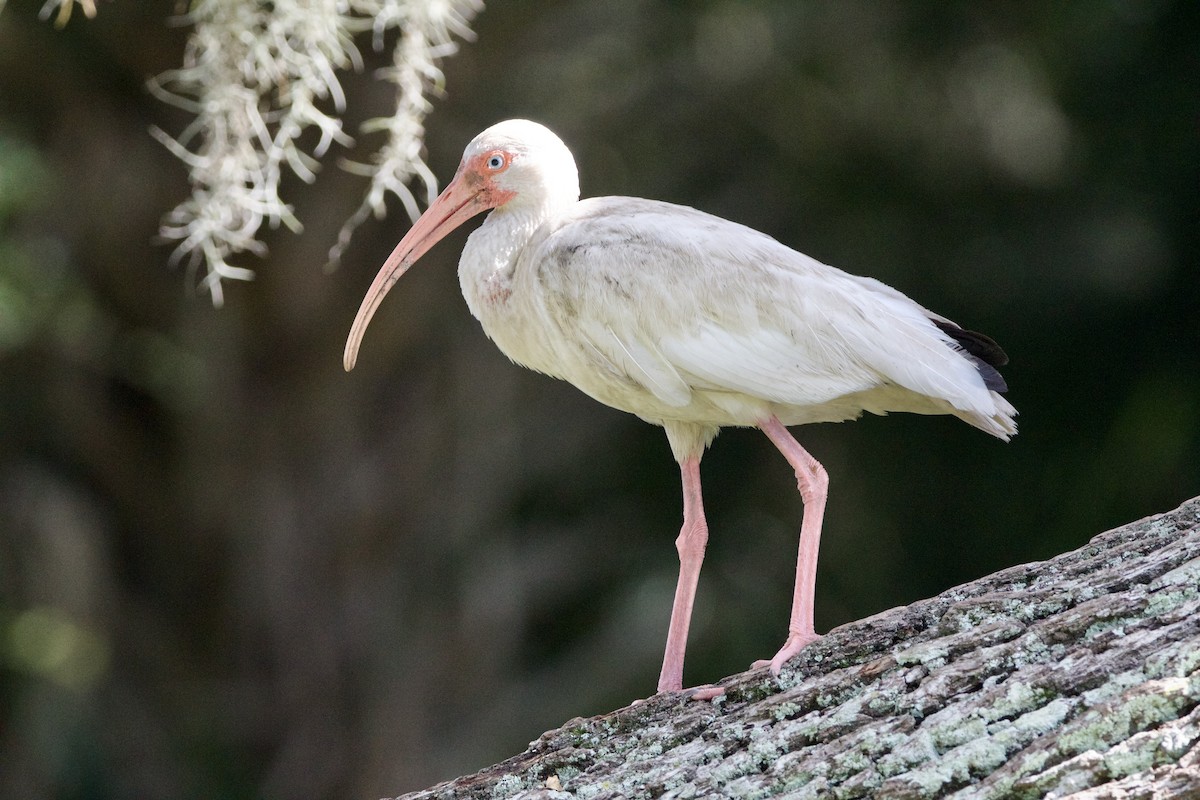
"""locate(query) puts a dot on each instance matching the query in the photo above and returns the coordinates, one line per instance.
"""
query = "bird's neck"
(489, 259)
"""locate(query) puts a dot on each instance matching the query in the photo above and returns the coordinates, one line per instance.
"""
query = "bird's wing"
(634, 359)
(680, 299)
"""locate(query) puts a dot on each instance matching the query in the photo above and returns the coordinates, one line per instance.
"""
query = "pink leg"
(693, 538)
(814, 484)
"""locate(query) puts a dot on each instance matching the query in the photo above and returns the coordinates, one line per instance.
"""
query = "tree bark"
(1074, 677)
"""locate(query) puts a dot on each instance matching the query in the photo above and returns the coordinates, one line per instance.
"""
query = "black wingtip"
(983, 352)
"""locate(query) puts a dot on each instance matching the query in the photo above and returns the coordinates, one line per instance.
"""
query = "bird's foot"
(706, 692)
(794, 644)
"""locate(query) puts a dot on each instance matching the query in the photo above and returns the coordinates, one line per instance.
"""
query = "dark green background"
(274, 579)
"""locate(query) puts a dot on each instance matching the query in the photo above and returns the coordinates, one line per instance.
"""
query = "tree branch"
(1076, 676)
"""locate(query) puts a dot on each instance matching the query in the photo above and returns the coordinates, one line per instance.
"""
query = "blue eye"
(496, 161)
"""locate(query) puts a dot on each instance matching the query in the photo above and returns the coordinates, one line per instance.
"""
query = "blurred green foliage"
(228, 569)
(22, 176)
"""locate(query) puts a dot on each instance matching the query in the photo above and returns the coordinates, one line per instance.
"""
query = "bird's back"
(674, 314)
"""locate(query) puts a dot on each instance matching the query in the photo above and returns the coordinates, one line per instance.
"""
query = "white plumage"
(691, 322)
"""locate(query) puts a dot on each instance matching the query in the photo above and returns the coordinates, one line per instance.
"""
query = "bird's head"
(520, 164)
(514, 166)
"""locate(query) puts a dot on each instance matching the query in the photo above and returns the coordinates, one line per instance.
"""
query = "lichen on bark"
(1078, 676)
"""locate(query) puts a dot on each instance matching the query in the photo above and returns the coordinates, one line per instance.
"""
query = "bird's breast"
(507, 307)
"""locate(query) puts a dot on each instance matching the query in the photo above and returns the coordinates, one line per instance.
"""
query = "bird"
(693, 323)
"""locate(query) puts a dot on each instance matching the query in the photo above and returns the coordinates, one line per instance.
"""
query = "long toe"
(794, 644)
(707, 692)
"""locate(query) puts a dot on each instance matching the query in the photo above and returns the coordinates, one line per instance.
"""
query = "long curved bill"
(455, 205)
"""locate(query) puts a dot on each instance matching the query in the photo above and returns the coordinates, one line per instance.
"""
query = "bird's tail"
(999, 423)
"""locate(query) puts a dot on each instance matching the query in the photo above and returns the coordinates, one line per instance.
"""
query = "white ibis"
(691, 322)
